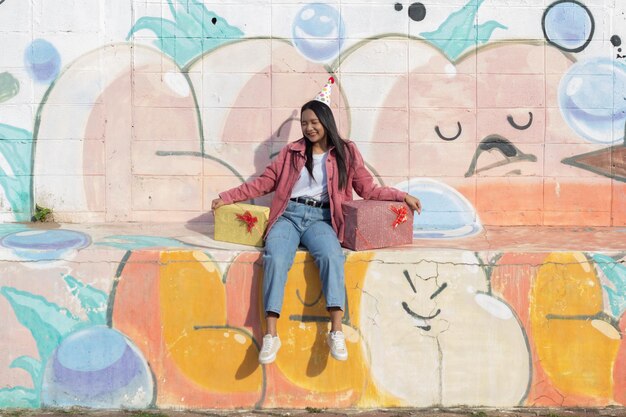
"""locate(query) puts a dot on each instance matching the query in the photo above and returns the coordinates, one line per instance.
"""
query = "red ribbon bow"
(248, 219)
(401, 215)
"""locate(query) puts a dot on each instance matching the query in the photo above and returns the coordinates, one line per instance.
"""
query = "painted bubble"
(568, 25)
(42, 61)
(592, 98)
(445, 212)
(97, 367)
(318, 32)
(45, 245)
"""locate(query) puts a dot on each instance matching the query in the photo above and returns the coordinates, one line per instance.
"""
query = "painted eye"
(520, 127)
(439, 290)
(458, 133)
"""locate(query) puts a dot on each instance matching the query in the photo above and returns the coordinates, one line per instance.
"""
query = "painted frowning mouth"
(509, 152)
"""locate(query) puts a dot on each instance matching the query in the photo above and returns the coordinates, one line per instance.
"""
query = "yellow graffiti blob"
(576, 354)
(304, 358)
(193, 308)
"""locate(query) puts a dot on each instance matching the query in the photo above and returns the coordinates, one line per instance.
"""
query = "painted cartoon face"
(482, 105)
(423, 321)
(488, 124)
(431, 320)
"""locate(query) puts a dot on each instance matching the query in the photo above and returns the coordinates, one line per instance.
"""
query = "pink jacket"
(281, 175)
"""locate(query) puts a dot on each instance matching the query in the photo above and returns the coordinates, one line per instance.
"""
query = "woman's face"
(312, 128)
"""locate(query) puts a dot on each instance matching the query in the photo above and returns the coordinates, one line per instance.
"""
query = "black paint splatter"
(616, 40)
(417, 12)
(214, 20)
(397, 7)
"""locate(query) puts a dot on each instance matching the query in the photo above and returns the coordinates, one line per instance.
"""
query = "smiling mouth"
(419, 317)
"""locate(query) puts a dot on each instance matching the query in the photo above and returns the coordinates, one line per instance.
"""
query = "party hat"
(324, 95)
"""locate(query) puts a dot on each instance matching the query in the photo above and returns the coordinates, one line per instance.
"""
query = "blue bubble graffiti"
(318, 32)
(97, 367)
(592, 99)
(446, 214)
(568, 25)
(42, 61)
(81, 362)
(45, 245)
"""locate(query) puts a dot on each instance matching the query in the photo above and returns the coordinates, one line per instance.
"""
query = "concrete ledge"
(612, 411)
(141, 315)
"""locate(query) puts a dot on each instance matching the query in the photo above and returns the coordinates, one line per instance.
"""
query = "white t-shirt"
(313, 187)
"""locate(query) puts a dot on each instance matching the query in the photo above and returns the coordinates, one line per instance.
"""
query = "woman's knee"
(329, 256)
(277, 262)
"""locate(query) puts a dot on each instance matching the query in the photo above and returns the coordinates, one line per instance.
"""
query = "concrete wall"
(95, 319)
(117, 321)
(144, 110)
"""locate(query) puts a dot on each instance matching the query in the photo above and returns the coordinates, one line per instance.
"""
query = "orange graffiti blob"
(576, 351)
(174, 304)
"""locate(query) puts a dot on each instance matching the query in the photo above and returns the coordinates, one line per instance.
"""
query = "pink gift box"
(371, 224)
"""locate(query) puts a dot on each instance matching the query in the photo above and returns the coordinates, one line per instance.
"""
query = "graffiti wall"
(135, 321)
(492, 112)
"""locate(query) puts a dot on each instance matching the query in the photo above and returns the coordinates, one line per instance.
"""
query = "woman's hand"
(217, 203)
(413, 203)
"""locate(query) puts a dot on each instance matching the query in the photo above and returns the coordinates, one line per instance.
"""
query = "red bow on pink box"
(248, 219)
(401, 215)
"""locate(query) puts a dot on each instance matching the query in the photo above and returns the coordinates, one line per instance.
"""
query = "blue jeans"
(310, 226)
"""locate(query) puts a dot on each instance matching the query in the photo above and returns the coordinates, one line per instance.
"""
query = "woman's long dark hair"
(326, 118)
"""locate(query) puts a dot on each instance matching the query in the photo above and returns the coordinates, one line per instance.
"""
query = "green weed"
(41, 213)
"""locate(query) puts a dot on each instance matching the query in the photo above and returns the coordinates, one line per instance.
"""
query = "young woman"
(310, 179)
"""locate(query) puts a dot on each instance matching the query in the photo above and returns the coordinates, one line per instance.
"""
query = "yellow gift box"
(241, 223)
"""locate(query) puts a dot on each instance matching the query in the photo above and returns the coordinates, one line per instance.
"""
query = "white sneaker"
(271, 344)
(337, 343)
